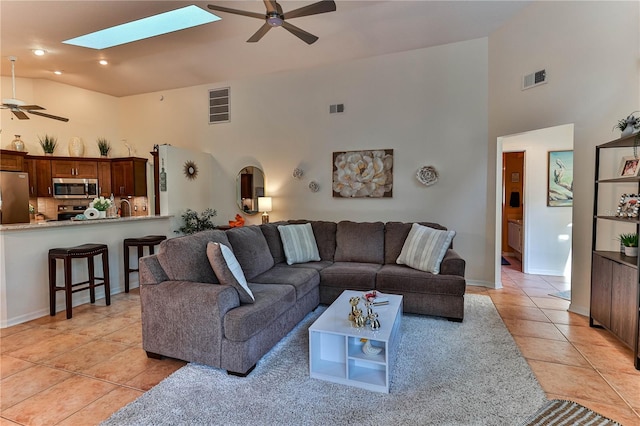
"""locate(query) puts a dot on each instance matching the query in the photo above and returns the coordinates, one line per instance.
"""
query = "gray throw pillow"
(425, 248)
(228, 270)
(298, 243)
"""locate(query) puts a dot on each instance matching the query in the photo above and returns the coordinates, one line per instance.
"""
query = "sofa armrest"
(150, 270)
(184, 320)
(452, 264)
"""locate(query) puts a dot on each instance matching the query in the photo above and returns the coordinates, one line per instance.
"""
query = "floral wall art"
(363, 174)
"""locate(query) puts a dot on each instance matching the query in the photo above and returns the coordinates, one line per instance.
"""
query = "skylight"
(163, 23)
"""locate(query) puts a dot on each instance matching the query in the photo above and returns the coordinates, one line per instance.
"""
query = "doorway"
(512, 207)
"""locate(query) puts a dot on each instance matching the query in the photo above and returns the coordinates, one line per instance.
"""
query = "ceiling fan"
(276, 18)
(18, 107)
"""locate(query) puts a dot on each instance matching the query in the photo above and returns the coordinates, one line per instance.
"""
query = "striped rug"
(558, 412)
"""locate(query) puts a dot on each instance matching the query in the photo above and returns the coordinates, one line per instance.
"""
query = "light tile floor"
(55, 371)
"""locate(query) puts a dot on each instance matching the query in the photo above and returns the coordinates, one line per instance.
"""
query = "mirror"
(249, 186)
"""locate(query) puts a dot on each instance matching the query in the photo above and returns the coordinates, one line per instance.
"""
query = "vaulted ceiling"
(218, 51)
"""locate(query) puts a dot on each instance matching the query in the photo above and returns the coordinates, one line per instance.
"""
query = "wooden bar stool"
(85, 251)
(149, 241)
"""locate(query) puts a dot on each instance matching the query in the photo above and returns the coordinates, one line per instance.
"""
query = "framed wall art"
(560, 179)
(363, 174)
(628, 205)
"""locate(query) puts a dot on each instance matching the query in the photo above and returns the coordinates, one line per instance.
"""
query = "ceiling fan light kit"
(275, 17)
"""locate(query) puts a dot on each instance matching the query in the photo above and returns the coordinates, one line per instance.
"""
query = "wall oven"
(75, 188)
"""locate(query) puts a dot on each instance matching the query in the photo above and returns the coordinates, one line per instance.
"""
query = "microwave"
(75, 188)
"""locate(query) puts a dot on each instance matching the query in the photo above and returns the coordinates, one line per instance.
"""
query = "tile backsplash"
(49, 206)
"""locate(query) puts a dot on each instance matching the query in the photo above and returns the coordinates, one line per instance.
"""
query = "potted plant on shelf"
(630, 243)
(628, 125)
(48, 144)
(104, 146)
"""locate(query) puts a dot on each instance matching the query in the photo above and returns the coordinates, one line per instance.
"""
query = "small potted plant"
(48, 144)
(628, 125)
(630, 243)
(195, 223)
(104, 146)
(101, 204)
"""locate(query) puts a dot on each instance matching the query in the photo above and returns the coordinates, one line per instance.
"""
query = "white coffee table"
(335, 348)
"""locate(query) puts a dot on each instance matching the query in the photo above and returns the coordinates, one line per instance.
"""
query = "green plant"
(104, 146)
(631, 120)
(629, 240)
(48, 143)
(101, 203)
(195, 223)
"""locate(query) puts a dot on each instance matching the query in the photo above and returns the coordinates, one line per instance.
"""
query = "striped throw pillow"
(298, 243)
(228, 270)
(425, 248)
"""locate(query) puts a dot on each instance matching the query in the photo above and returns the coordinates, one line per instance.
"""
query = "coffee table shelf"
(335, 346)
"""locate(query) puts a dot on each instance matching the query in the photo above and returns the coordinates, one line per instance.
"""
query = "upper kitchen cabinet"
(42, 180)
(104, 178)
(12, 161)
(129, 177)
(76, 168)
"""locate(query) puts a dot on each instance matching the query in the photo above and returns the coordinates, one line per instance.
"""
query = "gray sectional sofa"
(184, 316)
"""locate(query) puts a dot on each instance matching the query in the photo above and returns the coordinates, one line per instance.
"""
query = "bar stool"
(85, 251)
(142, 242)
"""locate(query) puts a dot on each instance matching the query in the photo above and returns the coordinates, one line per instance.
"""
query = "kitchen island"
(24, 249)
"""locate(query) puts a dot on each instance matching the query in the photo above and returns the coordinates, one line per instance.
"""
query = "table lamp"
(264, 205)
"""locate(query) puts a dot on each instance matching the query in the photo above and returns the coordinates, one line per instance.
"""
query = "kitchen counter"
(24, 249)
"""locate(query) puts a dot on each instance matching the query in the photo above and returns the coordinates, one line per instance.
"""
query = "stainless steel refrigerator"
(14, 197)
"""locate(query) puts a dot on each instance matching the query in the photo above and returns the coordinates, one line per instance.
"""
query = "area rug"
(446, 373)
(566, 295)
(558, 412)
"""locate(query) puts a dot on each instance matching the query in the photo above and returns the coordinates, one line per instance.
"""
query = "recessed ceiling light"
(39, 52)
(57, 72)
(103, 62)
(163, 23)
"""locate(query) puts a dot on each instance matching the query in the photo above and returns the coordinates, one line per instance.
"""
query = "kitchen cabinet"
(74, 168)
(615, 282)
(43, 180)
(30, 168)
(129, 177)
(12, 161)
(104, 178)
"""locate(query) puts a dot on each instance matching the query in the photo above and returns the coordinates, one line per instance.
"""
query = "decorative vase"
(102, 214)
(631, 251)
(76, 147)
(17, 143)
(370, 350)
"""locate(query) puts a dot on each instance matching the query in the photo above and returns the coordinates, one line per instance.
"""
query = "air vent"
(534, 79)
(336, 108)
(219, 106)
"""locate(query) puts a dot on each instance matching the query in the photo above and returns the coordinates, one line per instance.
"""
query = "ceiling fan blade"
(30, 107)
(323, 6)
(300, 33)
(20, 114)
(55, 117)
(270, 5)
(236, 11)
(260, 33)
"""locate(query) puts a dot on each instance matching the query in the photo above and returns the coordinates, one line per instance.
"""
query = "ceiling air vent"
(534, 79)
(219, 106)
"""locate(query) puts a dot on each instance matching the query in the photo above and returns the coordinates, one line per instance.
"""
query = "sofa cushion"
(318, 266)
(228, 270)
(245, 321)
(251, 250)
(272, 235)
(402, 279)
(185, 258)
(395, 234)
(360, 242)
(325, 234)
(302, 279)
(425, 248)
(350, 275)
(299, 243)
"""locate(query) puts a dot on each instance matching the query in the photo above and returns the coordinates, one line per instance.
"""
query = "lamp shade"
(264, 204)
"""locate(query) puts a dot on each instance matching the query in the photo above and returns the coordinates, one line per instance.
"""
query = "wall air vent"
(534, 79)
(219, 105)
(336, 108)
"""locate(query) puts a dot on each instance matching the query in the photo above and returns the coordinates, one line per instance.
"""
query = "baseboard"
(487, 284)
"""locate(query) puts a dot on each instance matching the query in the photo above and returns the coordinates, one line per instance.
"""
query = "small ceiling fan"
(276, 18)
(18, 107)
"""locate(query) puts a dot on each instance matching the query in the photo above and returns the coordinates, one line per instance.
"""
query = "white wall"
(547, 230)
(590, 51)
(429, 105)
(183, 193)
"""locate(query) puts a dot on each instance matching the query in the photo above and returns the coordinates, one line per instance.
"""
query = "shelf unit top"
(621, 142)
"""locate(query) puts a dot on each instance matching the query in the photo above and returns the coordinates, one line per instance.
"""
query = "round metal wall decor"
(427, 175)
(190, 170)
